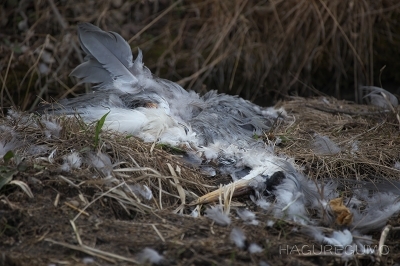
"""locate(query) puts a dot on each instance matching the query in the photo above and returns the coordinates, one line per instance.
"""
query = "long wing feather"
(109, 58)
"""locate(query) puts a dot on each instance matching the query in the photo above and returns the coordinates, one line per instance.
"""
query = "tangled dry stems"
(134, 162)
(173, 183)
(368, 141)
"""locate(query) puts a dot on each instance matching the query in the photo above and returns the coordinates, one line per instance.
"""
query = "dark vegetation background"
(261, 50)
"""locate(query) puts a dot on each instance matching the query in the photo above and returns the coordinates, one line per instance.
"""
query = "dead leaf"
(342, 213)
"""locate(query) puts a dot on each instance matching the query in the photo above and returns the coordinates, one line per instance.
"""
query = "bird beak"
(240, 187)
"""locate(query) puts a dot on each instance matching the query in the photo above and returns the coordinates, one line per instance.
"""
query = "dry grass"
(368, 139)
(83, 200)
(133, 162)
(261, 50)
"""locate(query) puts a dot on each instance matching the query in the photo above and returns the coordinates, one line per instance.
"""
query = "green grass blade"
(99, 126)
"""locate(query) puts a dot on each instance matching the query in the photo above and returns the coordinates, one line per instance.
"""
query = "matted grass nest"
(366, 139)
(55, 211)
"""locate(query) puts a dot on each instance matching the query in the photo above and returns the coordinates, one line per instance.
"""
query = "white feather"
(337, 238)
(238, 237)
(53, 128)
(396, 165)
(149, 255)
(71, 161)
(216, 214)
(100, 161)
(254, 248)
(141, 190)
(261, 202)
(270, 223)
(247, 216)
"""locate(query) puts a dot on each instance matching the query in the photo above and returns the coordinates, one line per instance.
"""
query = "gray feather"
(322, 145)
(380, 97)
(108, 57)
(378, 209)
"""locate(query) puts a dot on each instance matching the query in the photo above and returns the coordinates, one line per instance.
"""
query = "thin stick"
(78, 237)
(92, 251)
(4, 81)
(385, 233)
(155, 20)
(160, 193)
(158, 233)
(76, 208)
(105, 193)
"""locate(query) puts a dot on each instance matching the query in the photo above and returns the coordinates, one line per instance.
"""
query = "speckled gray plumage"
(127, 84)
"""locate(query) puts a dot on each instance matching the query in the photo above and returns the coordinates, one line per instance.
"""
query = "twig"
(158, 233)
(337, 111)
(102, 195)
(107, 256)
(75, 208)
(4, 82)
(64, 25)
(382, 240)
(155, 20)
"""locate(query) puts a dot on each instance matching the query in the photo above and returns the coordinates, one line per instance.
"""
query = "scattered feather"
(270, 223)
(53, 128)
(88, 260)
(381, 97)
(44, 69)
(254, 248)
(195, 213)
(149, 255)
(261, 202)
(354, 147)
(71, 161)
(396, 165)
(338, 238)
(51, 156)
(247, 216)
(141, 190)
(145, 106)
(378, 209)
(238, 237)
(100, 161)
(216, 214)
(38, 150)
(322, 145)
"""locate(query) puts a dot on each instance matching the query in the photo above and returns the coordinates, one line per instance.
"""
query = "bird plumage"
(214, 127)
(125, 88)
